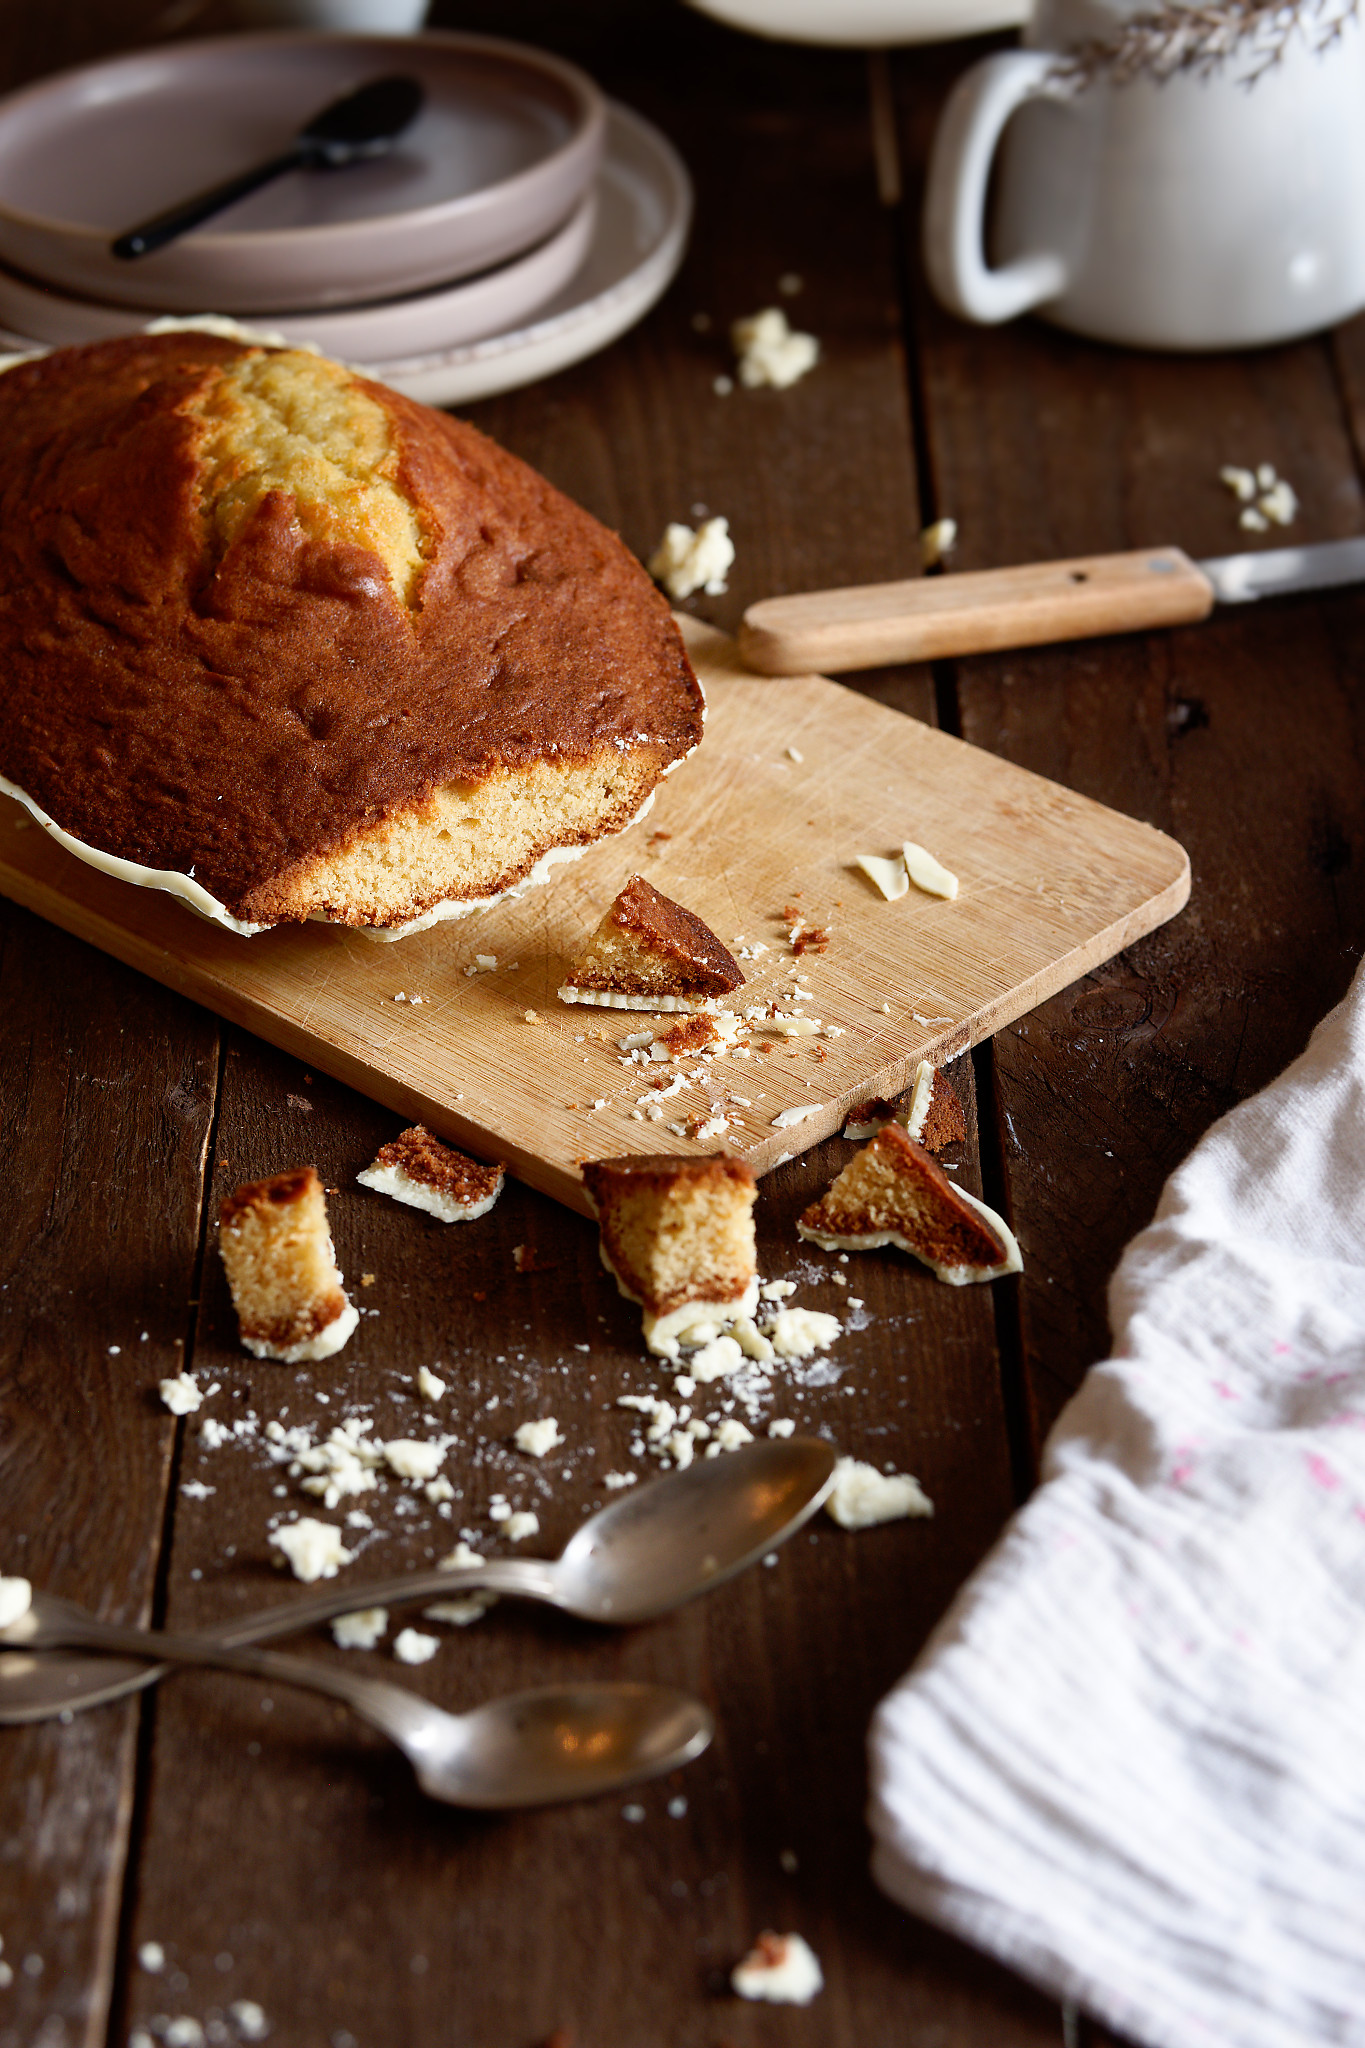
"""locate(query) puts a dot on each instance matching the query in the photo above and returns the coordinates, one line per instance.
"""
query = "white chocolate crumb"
(937, 542)
(312, 1549)
(180, 1394)
(686, 561)
(410, 1646)
(16, 1598)
(863, 1497)
(361, 1630)
(769, 352)
(537, 1438)
(927, 873)
(411, 1460)
(887, 876)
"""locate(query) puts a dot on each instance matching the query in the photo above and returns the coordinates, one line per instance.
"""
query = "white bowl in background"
(868, 24)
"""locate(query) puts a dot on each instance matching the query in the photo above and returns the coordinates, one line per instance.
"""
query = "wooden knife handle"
(930, 616)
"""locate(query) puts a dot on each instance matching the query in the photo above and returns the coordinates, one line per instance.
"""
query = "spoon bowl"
(643, 1554)
(650, 1550)
(562, 1742)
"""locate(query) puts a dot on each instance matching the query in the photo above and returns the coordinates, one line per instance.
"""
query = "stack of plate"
(519, 224)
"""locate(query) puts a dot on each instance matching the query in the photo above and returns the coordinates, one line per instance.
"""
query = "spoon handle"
(526, 1577)
(154, 234)
(401, 1715)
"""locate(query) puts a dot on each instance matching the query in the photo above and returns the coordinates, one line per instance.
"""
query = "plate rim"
(588, 94)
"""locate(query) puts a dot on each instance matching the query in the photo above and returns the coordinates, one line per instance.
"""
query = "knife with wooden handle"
(928, 617)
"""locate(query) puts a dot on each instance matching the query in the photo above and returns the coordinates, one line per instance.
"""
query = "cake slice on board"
(648, 953)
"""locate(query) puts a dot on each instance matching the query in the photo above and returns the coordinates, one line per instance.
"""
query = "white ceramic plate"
(644, 210)
(506, 145)
(868, 24)
(427, 321)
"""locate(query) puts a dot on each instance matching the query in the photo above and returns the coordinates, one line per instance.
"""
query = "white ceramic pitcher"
(1217, 208)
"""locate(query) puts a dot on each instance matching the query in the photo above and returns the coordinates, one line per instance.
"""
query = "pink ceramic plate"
(506, 146)
(445, 318)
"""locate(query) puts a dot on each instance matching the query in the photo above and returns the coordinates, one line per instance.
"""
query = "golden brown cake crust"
(920, 1204)
(672, 935)
(606, 1177)
(238, 713)
(280, 1189)
(944, 1121)
(424, 1158)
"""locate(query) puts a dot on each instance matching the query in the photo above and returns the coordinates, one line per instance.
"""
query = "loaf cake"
(294, 646)
(678, 1237)
(893, 1192)
(931, 1113)
(648, 953)
(281, 1267)
(419, 1170)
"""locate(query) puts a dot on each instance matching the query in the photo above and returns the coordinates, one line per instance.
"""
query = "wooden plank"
(795, 778)
(1243, 737)
(106, 1091)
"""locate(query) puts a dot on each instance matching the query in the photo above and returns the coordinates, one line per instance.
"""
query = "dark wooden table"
(276, 1851)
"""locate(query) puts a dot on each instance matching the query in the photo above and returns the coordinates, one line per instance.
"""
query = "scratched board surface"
(796, 777)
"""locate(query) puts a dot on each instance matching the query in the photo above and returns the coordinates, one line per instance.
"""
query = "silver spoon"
(529, 1749)
(642, 1555)
(363, 124)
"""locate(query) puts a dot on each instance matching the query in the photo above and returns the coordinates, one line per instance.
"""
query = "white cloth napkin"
(1131, 1760)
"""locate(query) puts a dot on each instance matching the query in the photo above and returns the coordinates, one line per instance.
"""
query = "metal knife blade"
(1277, 572)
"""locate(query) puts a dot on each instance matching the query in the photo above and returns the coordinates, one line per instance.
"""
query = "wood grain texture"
(926, 617)
(107, 1093)
(1242, 737)
(794, 780)
(347, 1903)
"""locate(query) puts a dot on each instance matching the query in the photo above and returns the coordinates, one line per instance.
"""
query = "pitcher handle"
(955, 204)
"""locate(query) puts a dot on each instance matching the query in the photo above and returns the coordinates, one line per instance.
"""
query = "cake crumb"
(428, 1386)
(781, 1968)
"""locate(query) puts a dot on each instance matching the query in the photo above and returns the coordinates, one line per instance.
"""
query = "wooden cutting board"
(797, 776)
